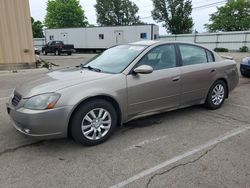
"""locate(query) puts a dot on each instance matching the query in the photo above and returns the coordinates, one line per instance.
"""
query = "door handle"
(175, 79)
(213, 70)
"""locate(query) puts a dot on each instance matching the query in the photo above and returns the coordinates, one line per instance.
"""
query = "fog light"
(27, 131)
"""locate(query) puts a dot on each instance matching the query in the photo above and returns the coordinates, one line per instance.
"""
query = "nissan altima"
(123, 83)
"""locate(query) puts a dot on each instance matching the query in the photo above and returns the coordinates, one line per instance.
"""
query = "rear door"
(159, 90)
(197, 73)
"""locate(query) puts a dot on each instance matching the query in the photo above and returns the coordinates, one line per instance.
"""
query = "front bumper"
(41, 124)
(245, 69)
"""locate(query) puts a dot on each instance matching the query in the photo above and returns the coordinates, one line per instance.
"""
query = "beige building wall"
(16, 40)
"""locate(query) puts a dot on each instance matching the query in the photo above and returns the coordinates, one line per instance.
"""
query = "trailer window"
(143, 35)
(101, 36)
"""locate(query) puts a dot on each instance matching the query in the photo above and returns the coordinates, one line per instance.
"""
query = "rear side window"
(192, 55)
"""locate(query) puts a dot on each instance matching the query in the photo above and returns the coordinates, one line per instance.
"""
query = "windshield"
(116, 59)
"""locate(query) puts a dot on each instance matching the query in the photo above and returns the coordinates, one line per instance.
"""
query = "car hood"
(58, 80)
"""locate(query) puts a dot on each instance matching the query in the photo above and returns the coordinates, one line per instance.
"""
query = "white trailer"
(102, 37)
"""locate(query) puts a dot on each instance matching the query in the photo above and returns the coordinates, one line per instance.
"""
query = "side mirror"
(143, 69)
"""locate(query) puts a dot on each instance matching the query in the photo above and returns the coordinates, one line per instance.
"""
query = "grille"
(16, 98)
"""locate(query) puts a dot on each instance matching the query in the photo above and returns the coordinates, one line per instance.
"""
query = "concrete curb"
(24, 71)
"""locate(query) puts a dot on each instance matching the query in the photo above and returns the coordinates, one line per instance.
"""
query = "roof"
(105, 26)
(145, 42)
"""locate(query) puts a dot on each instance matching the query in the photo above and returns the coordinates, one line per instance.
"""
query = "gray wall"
(230, 40)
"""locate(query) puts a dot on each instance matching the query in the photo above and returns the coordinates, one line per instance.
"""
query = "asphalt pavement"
(191, 147)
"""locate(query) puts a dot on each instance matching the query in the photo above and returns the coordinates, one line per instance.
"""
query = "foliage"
(37, 28)
(234, 16)
(221, 50)
(116, 12)
(175, 15)
(44, 64)
(244, 49)
(65, 14)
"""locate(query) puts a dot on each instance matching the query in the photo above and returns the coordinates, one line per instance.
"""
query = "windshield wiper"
(90, 68)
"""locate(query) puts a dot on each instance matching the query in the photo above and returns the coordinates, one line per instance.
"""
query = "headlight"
(42, 102)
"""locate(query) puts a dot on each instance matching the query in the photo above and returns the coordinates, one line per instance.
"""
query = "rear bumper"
(67, 51)
(41, 124)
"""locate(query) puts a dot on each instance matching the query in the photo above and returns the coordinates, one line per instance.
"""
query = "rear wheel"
(93, 122)
(69, 53)
(216, 95)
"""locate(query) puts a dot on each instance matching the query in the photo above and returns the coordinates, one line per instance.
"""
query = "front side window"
(192, 55)
(116, 59)
(161, 57)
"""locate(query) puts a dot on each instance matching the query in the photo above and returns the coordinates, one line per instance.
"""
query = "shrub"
(244, 49)
(221, 50)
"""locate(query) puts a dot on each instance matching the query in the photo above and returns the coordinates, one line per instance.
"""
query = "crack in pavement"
(179, 165)
(11, 150)
(232, 118)
(226, 117)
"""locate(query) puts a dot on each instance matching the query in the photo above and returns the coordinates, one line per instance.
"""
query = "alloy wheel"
(218, 94)
(96, 124)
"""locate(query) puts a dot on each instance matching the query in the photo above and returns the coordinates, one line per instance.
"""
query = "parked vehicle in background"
(245, 67)
(58, 48)
(37, 51)
(123, 83)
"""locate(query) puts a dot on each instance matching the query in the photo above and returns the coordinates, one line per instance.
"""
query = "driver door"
(159, 90)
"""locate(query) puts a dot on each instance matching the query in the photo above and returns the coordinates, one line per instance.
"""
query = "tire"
(216, 95)
(69, 53)
(83, 124)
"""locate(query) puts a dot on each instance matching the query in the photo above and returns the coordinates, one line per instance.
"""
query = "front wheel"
(93, 122)
(216, 95)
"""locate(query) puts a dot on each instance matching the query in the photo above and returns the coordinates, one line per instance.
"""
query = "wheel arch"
(104, 97)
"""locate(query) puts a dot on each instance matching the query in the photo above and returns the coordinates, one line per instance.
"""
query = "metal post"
(217, 40)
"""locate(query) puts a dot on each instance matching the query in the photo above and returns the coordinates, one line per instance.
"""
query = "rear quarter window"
(210, 56)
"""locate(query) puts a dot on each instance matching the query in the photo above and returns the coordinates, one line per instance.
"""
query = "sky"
(200, 14)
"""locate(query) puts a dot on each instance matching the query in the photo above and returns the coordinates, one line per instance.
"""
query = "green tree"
(64, 13)
(175, 15)
(234, 16)
(117, 12)
(37, 28)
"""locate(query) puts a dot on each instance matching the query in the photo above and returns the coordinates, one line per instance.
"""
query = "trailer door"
(64, 38)
(119, 37)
